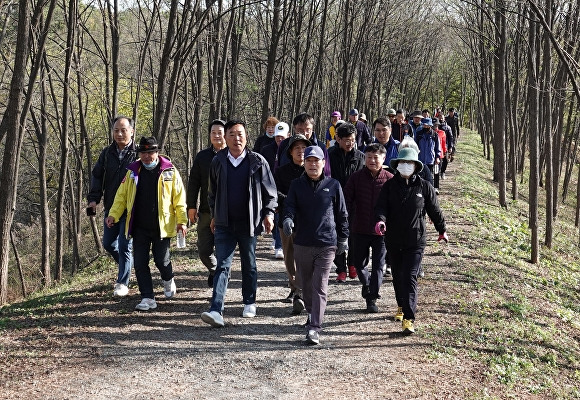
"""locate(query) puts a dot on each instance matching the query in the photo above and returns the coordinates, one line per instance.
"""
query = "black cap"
(147, 144)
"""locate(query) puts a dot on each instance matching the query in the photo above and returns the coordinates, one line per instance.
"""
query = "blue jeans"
(226, 239)
(118, 246)
(145, 242)
(276, 233)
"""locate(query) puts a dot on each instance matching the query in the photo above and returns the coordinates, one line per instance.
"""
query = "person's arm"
(120, 203)
(269, 191)
(432, 208)
(193, 189)
(178, 201)
(97, 179)
(340, 215)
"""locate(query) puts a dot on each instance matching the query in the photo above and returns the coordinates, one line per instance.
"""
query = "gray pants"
(313, 265)
(205, 242)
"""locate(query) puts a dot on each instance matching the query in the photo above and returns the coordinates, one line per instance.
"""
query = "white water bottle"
(180, 240)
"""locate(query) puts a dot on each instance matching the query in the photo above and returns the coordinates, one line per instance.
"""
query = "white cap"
(281, 129)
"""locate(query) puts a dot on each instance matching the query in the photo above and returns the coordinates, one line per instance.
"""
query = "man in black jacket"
(106, 177)
(344, 160)
(197, 187)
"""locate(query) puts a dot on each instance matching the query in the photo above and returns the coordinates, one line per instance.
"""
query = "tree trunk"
(499, 108)
(533, 100)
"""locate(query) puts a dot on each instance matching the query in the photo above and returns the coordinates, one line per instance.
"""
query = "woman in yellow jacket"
(153, 195)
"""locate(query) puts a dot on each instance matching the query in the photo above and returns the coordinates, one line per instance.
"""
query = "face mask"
(151, 165)
(406, 170)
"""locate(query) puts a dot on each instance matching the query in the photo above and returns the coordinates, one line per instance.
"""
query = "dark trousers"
(343, 260)
(226, 240)
(143, 242)
(205, 242)
(360, 256)
(405, 266)
(444, 163)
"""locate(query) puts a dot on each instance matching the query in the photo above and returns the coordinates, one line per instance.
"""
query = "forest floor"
(81, 343)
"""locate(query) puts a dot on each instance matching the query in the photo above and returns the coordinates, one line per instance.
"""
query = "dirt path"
(92, 346)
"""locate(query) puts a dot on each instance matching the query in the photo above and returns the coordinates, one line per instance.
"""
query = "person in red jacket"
(361, 193)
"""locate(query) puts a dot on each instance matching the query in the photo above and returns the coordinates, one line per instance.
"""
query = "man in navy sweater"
(242, 199)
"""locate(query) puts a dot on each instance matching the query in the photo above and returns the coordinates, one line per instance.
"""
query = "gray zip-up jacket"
(262, 189)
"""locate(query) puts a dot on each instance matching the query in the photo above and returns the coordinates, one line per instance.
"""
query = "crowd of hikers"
(357, 200)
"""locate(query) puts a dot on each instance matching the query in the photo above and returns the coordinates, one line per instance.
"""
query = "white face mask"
(405, 169)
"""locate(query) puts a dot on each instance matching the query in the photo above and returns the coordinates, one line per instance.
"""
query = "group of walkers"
(360, 197)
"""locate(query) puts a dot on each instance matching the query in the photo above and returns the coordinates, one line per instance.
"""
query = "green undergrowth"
(518, 319)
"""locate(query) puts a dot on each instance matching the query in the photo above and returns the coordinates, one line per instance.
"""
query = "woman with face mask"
(400, 210)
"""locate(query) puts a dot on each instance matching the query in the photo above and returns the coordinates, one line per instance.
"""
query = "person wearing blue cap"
(428, 142)
(320, 233)
(400, 214)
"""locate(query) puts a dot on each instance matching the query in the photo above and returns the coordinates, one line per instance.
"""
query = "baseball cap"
(314, 151)
(336, 114)
(392, 111)
(354, 111)
(281, 129)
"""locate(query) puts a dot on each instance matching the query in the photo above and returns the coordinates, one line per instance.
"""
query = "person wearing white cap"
(321, 233)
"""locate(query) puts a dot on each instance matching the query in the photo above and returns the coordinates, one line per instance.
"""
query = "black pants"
(360, 257)
(405, 266)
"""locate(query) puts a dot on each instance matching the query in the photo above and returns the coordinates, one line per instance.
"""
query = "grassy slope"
(519, 320)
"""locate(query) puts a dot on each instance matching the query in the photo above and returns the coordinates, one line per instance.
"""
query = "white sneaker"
(213, 318)
(279, 254)
(120, 290)
(146, 304)
(169, 288)
(249, 311)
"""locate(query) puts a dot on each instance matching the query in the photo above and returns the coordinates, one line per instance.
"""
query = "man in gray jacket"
(242, 199)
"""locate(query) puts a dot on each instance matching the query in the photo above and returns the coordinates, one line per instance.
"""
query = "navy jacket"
(403, 206)
(108, 173)
(428, 143)
(262, 190)
(318, 211)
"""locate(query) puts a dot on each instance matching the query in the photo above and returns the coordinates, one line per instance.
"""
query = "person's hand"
(443, 236)
(93, 205)
(182, 228)
(268, 224)
(110, 221)
(287, 226)
(341, 246)
(212, 225)
(192, 215)
(380, 228)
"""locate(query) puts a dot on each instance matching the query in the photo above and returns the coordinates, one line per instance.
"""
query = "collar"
(237, 161)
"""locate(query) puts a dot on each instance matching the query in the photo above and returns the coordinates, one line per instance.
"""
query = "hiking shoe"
(279, 254)
(213, 318)
(249, 311)
(297, 305)
(341, 278)
(312, 337)
(352, 272)
(399, 315)
(387, 271)
(146, 304)
(372, 306)
(169, 288)
(408, 327)
(289, 298)
(120, 290)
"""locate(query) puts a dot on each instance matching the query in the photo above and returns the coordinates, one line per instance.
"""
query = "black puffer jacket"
(108, 173)
(403, 206)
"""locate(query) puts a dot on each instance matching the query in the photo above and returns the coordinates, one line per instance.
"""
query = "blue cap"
(354, 111)
(314, 151)
(426, 121)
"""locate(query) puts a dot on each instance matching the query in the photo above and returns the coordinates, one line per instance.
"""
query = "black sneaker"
(297, 305)
(372, 306)
(289, 298)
